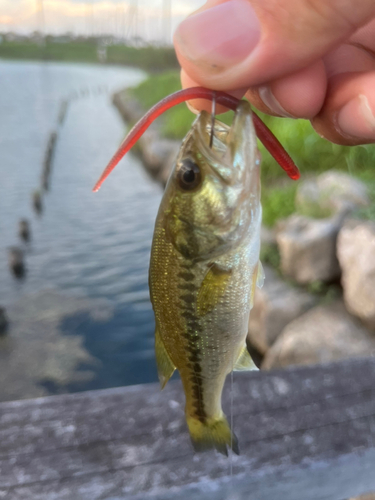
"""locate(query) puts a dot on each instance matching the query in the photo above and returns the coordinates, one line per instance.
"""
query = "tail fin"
(212, 433)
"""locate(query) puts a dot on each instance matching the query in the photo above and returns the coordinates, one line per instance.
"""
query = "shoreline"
(156, 152)
(149, 58)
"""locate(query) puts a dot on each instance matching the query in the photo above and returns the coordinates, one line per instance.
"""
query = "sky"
(146, 18)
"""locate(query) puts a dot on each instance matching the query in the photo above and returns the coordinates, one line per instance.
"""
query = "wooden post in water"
(47, 165)
(24, 229)
(3, 321)
(16, 262)
(37, 202)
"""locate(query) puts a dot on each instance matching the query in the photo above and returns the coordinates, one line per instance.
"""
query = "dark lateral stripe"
(194, 357)
(189, 298)
(187, 265)
(196, 378)
(194, 327)
(190, 287)
(185, 275)
(198, 403)
(189, 316)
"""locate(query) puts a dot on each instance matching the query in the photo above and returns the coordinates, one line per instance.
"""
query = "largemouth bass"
(205, 267)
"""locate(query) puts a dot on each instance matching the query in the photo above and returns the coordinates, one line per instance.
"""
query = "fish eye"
(188, 174)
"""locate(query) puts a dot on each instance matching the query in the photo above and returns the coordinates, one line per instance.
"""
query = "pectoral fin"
(244, 362)
(257, 282)
(260, 275)
(164, 363)
(212, 289)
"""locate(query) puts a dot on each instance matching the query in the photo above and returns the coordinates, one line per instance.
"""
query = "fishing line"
(231, 423)
(213, 113)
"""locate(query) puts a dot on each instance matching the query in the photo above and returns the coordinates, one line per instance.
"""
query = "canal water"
(81, 317)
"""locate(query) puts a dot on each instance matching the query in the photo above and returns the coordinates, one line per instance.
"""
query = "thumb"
(232, 44)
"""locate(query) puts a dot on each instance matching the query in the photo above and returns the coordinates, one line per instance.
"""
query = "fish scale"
(203, 269)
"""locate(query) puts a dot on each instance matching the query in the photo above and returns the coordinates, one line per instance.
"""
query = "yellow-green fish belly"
(203, 333)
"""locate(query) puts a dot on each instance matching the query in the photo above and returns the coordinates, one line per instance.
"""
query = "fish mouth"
(234, 148)
(217, 155)
(207, 131)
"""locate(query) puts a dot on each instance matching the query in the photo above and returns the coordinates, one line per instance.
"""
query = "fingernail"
(265, 93)
(221, 36)
(356, 119)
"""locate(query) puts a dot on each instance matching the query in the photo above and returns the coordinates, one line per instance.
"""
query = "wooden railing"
(305, 434)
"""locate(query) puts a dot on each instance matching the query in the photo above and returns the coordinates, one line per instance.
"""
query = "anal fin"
(164, 363)
(244, 361)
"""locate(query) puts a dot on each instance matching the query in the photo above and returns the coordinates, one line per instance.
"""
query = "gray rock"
(275, 305)
(158, 152)
(267, 236)
(356, 253)
(330, 193)
(308, 248)
(130, 109)
(324, 334)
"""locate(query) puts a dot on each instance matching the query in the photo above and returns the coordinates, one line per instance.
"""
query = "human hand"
(311, 59)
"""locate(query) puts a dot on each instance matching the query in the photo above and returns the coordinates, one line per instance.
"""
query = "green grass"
(310, 152)
(269, 254)
(154, 88)
(368, 177)
(70, 51)
(148, 58)
(177, 121)
(278, 202)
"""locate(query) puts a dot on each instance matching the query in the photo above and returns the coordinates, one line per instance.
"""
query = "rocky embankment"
(332, 255)
(157, 153)
(318, 305)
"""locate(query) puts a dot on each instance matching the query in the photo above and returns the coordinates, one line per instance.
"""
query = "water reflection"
(84, 245)
(129, 355)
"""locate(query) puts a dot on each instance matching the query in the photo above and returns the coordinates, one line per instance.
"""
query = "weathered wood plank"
(305, 433)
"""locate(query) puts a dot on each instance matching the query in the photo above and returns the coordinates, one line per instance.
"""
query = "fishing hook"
(213, 112)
